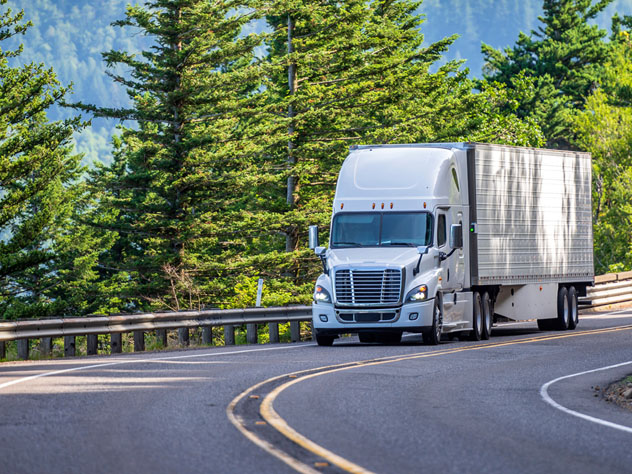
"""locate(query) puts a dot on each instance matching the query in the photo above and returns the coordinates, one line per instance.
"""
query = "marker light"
(373, 207)
(382, 205)
(342, 204)
(391, 205)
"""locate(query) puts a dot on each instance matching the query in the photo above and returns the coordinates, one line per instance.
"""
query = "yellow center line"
(276, 421)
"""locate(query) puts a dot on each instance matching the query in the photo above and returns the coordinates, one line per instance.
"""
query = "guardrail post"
(91, 344)
(69, 346)
(229, 335)
(295, 331)
(311, 328)
(46, 346)
(23, 349)
(161, 337)
(251, 334)
(273, 329)
(207, 335)
(139, 341)
(3, 350)
(183, 336)
(116, 343)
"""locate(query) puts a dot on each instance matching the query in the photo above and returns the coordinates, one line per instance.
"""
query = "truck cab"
(403, 253)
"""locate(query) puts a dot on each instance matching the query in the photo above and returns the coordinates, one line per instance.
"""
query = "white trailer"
(449, 237)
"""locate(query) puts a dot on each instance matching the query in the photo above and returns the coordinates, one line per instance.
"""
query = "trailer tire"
(562, 309)
(487, 316)
(573, 314)
(477, 317)
(324, 340)
(433, 336)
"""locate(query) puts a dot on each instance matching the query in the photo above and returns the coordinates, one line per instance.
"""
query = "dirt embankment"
(619, 392)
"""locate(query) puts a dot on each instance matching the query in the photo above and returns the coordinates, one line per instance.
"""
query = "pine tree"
(38, 190)
(341, 73)
(565, 57)
(605, 130)
(179, 169)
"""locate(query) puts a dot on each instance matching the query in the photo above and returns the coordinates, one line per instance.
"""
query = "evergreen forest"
(236, 118)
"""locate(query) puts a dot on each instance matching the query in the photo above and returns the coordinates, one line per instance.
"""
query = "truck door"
(452, 268)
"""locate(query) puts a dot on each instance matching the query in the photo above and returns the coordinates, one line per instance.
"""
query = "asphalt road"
(457, 407)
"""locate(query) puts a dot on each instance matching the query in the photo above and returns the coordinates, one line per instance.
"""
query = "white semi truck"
(448, 237)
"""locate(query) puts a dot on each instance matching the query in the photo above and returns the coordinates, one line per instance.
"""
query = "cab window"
(441, 231)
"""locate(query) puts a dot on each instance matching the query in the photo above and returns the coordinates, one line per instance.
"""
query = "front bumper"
(413, 317)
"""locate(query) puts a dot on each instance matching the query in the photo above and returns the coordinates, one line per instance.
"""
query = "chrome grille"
(368, 286)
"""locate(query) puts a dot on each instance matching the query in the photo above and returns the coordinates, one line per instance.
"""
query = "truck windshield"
(372, 229)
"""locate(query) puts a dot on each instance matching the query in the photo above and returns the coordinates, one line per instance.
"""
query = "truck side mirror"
(456, 236)
(320, 251)
(313, 236)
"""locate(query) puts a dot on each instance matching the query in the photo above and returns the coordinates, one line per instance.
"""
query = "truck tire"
(477, 317)
(562, 309)
(433, 336)
(573, 314)
(324, 340)
(487, 316)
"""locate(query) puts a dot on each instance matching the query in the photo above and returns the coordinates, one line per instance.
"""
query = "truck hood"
(385, 257)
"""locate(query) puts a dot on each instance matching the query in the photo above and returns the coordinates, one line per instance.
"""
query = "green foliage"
(348, 72)
(46, 256)
(566, 59)
(605, 129)
(178, 173)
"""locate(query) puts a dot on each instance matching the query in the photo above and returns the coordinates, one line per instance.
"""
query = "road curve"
(458, 407)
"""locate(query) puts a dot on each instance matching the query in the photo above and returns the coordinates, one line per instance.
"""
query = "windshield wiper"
(406, 244)
(348, 243)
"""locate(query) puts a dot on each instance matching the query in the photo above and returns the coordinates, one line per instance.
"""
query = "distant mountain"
(70, 35)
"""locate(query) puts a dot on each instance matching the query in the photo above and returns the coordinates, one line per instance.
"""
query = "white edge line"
(545, 395)
(131, 361)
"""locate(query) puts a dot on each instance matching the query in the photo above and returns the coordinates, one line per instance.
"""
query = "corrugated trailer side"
(532, 214)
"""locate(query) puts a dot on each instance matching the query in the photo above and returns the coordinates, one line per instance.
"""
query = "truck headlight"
(418, 293)
(321, 295)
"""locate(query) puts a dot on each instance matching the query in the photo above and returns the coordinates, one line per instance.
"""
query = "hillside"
(69, 35)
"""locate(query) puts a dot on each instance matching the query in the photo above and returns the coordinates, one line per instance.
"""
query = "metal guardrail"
(613, 288)
(69, 328)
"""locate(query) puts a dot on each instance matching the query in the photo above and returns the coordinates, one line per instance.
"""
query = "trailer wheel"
(573, 314)
(562, 309)
(487, 316)
(324, 340)
(477, 318)
(433, 336)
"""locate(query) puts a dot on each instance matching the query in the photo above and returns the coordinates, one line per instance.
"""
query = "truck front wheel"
(433, 336)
